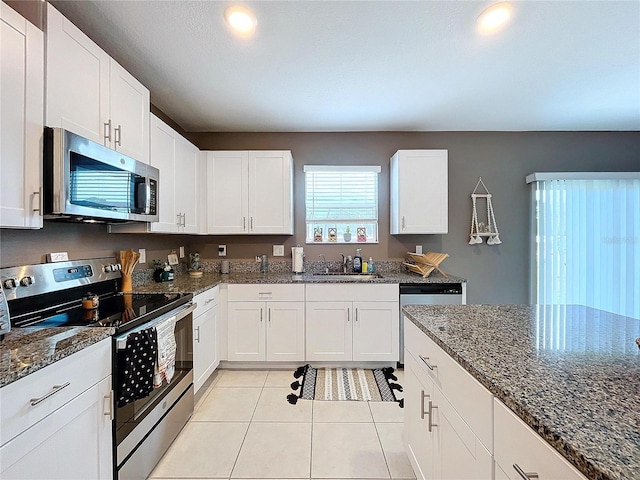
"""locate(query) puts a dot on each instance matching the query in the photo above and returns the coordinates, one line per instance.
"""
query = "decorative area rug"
(369, 385)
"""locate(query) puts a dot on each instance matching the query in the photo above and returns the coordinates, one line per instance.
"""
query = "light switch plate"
(143, 255)
(222, 250)
(278, 250)
(419, 249)
(181, 252)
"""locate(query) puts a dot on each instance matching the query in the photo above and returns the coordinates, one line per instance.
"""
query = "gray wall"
(496, 274)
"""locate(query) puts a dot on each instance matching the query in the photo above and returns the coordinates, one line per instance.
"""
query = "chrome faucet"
(344, 263)
(326, 266)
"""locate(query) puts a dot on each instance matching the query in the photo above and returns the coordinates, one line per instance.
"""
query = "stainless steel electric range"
(52, 295)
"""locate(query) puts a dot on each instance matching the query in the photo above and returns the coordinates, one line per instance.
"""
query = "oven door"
(135, 421)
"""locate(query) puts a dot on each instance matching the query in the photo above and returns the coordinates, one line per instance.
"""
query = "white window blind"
(340, 197)
(586, 247)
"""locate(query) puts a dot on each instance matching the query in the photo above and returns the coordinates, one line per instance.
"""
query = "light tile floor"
(243, 427)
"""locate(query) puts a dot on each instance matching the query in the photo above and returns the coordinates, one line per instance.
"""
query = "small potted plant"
(347, 234)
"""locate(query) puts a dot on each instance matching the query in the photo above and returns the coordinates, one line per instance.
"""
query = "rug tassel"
(388, 373)
(300, 371)
(295, 385)
(401, 403)
(395, 386)
(292, 398)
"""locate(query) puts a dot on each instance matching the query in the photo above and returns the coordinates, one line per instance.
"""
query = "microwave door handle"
(144, 197)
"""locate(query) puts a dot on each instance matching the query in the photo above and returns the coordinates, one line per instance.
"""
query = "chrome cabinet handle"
(523, 474)
(403, 224)
(251, 223)
(269, 315)
(197, 339)
(118, 135)
(261, 314)
(109, 411)
(356, 315)
(430, 412)
(39, 193)
(54, 390)
(207, 302)
(107, 132)
(422, 397)
(426, 362)
(348, 315)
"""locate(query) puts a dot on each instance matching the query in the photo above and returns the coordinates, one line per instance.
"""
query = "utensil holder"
(127, 283)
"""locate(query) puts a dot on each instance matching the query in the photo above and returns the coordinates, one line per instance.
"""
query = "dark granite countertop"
(186, 283)
(27, 350)
(572, 373)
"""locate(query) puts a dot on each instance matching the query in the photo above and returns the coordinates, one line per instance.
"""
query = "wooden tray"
(425, 263)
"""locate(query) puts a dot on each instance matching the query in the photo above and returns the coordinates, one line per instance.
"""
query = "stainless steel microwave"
(88, 182)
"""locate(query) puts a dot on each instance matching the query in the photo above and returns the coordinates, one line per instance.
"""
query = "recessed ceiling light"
(494, 18)
(241, 20)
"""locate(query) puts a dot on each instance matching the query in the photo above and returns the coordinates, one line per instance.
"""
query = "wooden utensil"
(128, 260)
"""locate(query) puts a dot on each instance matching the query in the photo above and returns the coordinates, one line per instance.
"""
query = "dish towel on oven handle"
(136, 366)
(166, 361)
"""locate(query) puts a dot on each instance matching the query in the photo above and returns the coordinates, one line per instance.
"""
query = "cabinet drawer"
(206, 300)
(353, 293)
(470, 399)
(266, 292)
(517, 444)
(81, 371)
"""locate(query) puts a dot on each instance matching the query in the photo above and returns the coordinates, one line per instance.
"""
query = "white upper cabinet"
(178, 185)
(249, 192)
(419, 192)
(21, 103)
(90, 94)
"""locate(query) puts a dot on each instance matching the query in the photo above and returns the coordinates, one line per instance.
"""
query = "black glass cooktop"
(120, 310)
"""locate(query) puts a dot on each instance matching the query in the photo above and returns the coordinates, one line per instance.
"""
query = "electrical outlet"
(419, 249)
(278, 250)
(222, 250)
(143, 255)
(181, 252)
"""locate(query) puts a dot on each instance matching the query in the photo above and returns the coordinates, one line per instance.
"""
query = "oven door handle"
(121, 340)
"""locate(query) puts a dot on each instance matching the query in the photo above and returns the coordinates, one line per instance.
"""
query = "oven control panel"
(72, 273)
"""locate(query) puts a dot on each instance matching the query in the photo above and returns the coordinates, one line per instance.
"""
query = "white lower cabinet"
(518, 447)
(440, 442)
(66, 435)
(205, 338)
(266, 322)
(352, 322)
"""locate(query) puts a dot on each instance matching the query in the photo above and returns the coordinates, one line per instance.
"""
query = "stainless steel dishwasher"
(429, 294)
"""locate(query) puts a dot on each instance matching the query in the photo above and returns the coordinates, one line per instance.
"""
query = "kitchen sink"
(347, 276)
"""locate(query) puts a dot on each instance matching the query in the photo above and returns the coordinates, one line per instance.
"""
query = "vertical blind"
(341, 195)
(586, 247)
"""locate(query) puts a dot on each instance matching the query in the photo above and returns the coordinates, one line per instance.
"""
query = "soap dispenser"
(357, 262)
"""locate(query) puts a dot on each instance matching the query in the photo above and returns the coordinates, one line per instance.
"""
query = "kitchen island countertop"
(572, 373)
(26, 350)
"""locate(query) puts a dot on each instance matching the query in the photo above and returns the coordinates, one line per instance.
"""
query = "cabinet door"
(227, 198)
(418, 441)
(419, 192)
(285, 331)
(77, 80)
(329, 333)
(270, 192)
(376, 331)
(129, 108)
(246, 331)
(21, 102)
(164, 144)
(74, 442)
(205, 359)
(459, 454)
(186, 185)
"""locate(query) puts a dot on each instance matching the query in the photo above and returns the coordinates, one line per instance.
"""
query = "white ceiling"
(378, 65)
